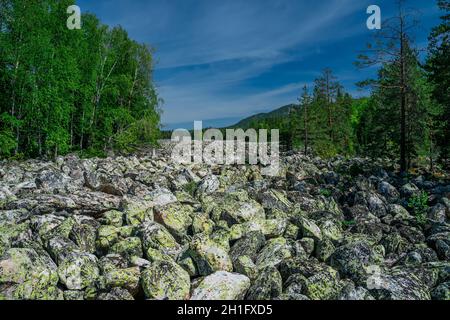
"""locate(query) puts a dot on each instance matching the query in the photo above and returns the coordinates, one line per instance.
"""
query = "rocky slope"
(142, 227)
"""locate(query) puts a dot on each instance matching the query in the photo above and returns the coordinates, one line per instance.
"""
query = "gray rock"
(209, 255)
(352, 260)
(267, 285)
(208, 185)
(441, 292)
(222, 285)
(399, 285)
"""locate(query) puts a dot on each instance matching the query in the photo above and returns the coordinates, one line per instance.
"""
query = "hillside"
(277, 113)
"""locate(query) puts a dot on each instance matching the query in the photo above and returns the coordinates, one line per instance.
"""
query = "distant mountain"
(224, 123)
(278, 113)
(210, 123)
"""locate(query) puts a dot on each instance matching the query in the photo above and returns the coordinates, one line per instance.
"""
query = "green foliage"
(348, 223)
(321, 122)
(325, 192)
(378, 131)
(62, 90)
(190, 188)
(419, 205)
(7, 143)
(438, 67)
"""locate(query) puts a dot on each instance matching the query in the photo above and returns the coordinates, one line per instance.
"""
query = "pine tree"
(392, 47)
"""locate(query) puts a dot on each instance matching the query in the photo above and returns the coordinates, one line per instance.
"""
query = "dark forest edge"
(91, 91)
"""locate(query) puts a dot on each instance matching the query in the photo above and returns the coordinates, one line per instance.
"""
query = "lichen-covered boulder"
(177, 218)
(266, 286)
(323, 285)
(273, 253)
(398, 284)
(351, 292)
(209, 255)
(249, 245)
(438, 213)
(408, 190)
(60, 248)
(84, 234)
(441, 292)
(129, 247)
(271, 228)
(309, 228)
(24, 275)
(112, 218)
(188, 264)
(105, 182)
(352, 260)
(73, 295)
(202, 224)
(112, 262)
(122, 278)
(78, 270)
(107, 236)
(241, 211)
(208, 185)
(274, 199)
(394, 243)
(324, 249)
(165, 280)
(245, 265)
(61, 230)
(221, 285)
(388, 190)
(137, 210)
(116, 294)
(13, 233)
(331, 229)
(50, 180)
(156, 236)
(315, 280)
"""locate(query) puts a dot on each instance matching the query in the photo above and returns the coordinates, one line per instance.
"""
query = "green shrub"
(325, 192)
(419, 205)
(190, 188)
(348, 223)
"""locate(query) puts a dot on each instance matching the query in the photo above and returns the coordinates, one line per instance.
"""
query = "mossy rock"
(30, 277)
(129, 247)
(165, 280)
(123, 278)
(78, 271)
(157, 237)
(107, 237)
(136, 211)
(209, 255)
(268, 285)
(177, 218)
(274, 252)
(113, 218)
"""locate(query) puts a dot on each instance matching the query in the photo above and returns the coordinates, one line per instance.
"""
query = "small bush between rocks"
(419, 205)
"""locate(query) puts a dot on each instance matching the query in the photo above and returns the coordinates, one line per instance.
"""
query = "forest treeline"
(61, 90)
(406, 116)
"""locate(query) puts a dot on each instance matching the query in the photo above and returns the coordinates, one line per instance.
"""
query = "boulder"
(209, 255)
(165, 280)
(221, 285)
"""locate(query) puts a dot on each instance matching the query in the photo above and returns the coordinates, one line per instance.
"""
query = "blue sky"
(222, 60)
